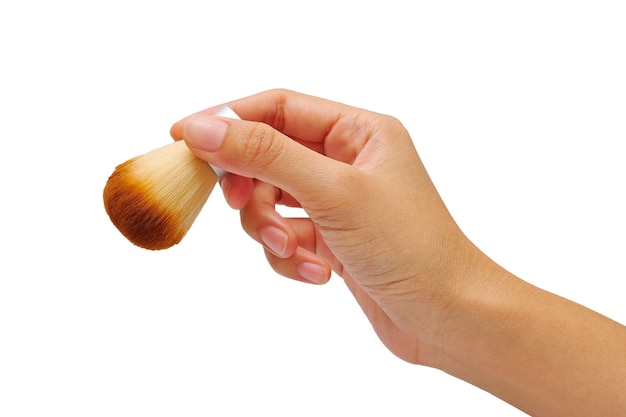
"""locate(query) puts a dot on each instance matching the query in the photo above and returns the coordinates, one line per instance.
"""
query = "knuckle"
(394, 126)
(261, 147)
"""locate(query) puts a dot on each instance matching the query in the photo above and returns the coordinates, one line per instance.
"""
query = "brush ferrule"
(218, 171)
(226, 111)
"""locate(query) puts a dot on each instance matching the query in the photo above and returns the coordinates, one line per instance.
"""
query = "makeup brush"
(153, 199)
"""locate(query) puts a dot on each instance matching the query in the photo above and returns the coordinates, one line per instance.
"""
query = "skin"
(431, 295)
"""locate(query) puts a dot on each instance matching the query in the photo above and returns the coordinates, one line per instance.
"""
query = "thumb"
(256, 150)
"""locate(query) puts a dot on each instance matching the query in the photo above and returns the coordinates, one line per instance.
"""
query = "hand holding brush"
(376, 219)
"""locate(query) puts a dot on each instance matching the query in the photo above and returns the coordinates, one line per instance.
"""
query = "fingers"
(330, 159)
(290, 244)
(297, 115)
(303, 266)
(334, 129)
(255, 150)
(307, 263)
(261, 221)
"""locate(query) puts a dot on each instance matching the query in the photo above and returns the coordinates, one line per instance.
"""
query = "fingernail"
(313, 272)
(275, 239)
(204, 132)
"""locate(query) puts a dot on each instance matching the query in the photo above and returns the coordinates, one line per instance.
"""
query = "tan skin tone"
(376, 219)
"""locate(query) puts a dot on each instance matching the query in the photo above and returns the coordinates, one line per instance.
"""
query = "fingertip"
(314, 273)
(237, 190)
(176, 131)
(302, 265)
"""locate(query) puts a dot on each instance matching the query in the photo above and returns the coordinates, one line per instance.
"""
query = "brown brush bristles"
(153, 199)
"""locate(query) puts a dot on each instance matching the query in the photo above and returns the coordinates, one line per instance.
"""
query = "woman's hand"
(375, 217)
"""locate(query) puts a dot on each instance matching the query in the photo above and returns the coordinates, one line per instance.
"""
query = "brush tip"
(136, 213)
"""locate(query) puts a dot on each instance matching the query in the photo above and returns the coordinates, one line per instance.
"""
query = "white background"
(517, 109)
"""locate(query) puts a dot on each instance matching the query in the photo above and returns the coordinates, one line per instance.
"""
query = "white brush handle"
(223, 112)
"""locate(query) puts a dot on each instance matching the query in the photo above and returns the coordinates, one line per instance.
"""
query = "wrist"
(477, 295)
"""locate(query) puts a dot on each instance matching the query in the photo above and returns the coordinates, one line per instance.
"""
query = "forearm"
(542, 353)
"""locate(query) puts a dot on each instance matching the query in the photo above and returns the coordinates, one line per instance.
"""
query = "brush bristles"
(153, 199)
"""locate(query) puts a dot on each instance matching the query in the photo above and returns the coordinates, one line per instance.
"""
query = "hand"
(375, 217)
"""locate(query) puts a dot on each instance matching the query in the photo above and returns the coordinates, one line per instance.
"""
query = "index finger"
(299, 116)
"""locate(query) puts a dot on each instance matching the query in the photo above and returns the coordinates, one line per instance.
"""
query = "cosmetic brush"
(153, 199)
